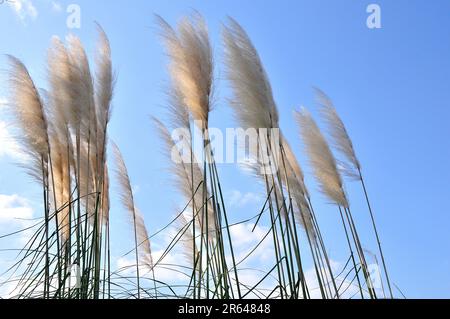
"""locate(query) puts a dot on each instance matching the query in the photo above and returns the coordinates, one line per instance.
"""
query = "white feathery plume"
(80, 87)
(297, 189)
(127, 199)
(253, 100)
(60, 76)
(145, 251)
(189, 176)
(61, 183)
(126, 192)
(191, 64)
(179, 114)
(321, 159)
(105, 196)
(30, 114)
(87, 177)
(104, 89)
(293, 165)
(85, 123)
(63, 95)
(104, 85)
(340, 138)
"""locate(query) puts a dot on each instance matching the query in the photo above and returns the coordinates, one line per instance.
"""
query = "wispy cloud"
(239, 199)
(247, 236)
(14, 208)
(24, 9)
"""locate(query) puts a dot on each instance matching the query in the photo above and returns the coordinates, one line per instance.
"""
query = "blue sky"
(390, 85)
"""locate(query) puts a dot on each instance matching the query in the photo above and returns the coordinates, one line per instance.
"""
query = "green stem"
(376, 233)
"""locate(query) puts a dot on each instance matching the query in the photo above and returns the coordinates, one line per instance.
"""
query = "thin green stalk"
(137, 254)
(227, 228)
(205, 208)
(351, 250)
(296, 239)
(79, 234)
(279, 265)
(360, 252)
(376, 233)
(322, 245)
(45, 191)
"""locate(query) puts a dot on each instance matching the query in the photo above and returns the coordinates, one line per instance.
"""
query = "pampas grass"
(327, 175)
(321, 159)
(252, 99)
(254, 107)
(127, 198)
(30, 116)
(351, 167)
(65, 133)
(191, 64)
(340, 138)
(188, 176)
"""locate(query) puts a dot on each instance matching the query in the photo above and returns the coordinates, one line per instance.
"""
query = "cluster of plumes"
(327, 168)
(255, 108)
(190, 96)
(64, 133)
(64, 129)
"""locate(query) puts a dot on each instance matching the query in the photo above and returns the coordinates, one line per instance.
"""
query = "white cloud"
(253, 247)
(24, 9)
(14, 208)
(239, 199)
(242, 234)
(13, 287)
